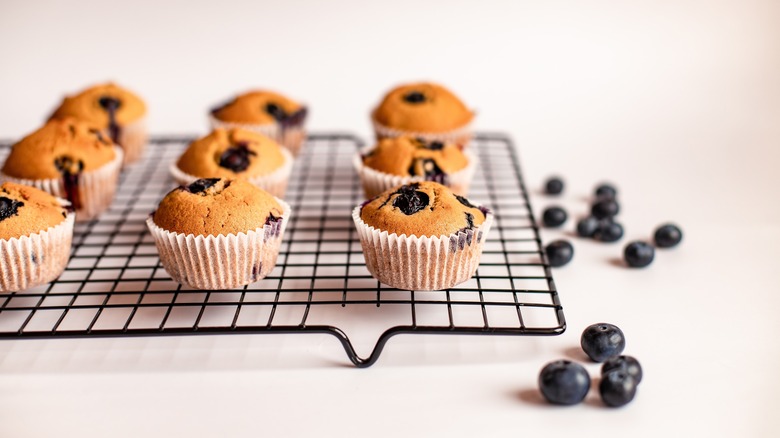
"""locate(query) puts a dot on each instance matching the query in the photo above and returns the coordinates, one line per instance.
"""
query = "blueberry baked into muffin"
(117, 111)
(69, 159)
(236, 154)
(425, 110)
(36, 230)
(406, 159)
(265, 112)
(421, 236)
(218, 233)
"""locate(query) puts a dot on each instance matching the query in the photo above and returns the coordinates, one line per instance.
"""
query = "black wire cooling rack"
(115, 286)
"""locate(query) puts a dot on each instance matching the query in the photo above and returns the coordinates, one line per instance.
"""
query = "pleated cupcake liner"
(291, 137)
(375, 182)
(226, 261)
(133, 138)
(274, 183)
(96, 188)
(36, 259)
(461, 136)
(421, 263)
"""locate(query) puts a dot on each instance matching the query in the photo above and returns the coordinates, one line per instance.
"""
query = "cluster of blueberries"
(564, 382)
(601, 226)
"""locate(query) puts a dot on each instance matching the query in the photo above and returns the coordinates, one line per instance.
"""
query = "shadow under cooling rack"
(115, 286)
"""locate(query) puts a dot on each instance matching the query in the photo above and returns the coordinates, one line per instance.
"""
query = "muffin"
(405, 159)
(36, 230)
(424, 110)
(236, 154)
(265, 112)
(421, 236)
(117, 111)
(218, 233)
(69, 159)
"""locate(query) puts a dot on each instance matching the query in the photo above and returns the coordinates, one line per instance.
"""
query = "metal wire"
(115, 286)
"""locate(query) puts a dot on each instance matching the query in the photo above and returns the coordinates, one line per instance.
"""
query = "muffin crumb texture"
(26, 210)
(217, 206)
(422, 209)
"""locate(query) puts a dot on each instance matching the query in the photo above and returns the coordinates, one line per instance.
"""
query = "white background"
(677, 102)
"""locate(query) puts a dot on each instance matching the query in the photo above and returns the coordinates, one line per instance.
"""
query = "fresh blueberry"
(201, 185)
(602, 341)
(414, 97)
(553, 186)
(617, 388)
(236, 158)
(109, 103)
(559, 253)
(410, 200)
(608, 231)
(9, 207)
(275, 111)
(563, 382)
(667, 236)
(627, 364)
(607, 191)
(554, 217)
(638, 254)
(586, 227)
(605, 208)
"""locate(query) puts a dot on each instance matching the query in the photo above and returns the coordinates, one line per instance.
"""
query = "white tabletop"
(677, 103)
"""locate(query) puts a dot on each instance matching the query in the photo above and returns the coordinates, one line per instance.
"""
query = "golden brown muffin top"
(59, 147)
(231, 153)
(214, 206)
(422, 209)
(410, 156)
(261, 108)
(26, 210)
(422, 107)
(94, 104)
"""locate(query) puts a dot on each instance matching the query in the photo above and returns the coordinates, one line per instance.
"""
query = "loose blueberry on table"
(606, 191)
(605, 209)
(559, 253)
(667, 236)
(638, 254)
(564, 382)
(627, 364)
(587, 227)
(602, 341)
(608, 231)
(617, 388)
(553, 186)
(554, 217)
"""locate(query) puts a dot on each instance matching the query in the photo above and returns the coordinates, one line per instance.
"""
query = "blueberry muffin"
(424, 110)
(118, 112)
(218, 233)
(421, 236)
(265, 112)
(36, 230)
(69, 159)
(236, 154)
(406, 159)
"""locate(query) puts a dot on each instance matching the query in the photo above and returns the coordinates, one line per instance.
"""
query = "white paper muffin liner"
(133, 138)
(274, 183)
(461, 137)
(36, 259)
(223, 261)
(376, 182)
(96, 187)
(291, 137)
(421, 263)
